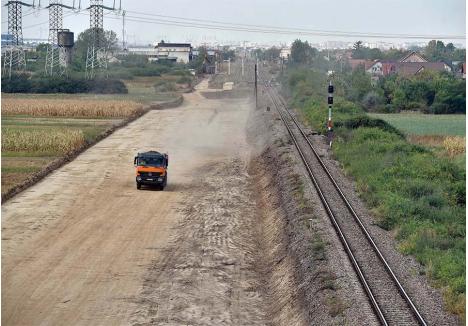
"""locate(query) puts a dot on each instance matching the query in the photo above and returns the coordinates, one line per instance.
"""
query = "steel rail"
(372, 298)
(337, 227)
(358, 220)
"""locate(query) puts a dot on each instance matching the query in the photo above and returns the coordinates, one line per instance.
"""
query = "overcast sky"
(426, 17)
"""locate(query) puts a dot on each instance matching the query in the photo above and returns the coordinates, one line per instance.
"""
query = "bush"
(120, 74)
(179, 72)
(146, 72)
(164, 86)
(184, 80)
(366, 121)
(17, 84)
(108, 86)
(24, 84)
(372, 101)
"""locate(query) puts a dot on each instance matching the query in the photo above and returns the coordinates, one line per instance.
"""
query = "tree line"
(428, 91)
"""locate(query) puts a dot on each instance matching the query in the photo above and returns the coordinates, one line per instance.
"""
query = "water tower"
(66, 41)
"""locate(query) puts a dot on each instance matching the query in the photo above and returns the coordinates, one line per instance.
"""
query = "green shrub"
(108, 86)
(184, 80)
(164, 86)
(415, 192)
(179, 72)
(45, 85)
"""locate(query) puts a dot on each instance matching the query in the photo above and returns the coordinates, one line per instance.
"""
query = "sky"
(415, 17)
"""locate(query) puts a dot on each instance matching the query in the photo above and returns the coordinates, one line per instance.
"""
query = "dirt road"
(83, 246)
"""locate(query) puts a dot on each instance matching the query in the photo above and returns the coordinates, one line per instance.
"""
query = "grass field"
(445, 134)
(426, 124)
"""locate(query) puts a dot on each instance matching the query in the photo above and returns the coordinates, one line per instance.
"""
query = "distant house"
(413, 57)
(355, 63)
(382, 68)
(177, 52)
(285, 53)
(410, 65)
(413, 68)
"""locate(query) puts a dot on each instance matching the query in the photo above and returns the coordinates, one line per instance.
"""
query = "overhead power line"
(189, 24)
(294, 28)
(184, 22)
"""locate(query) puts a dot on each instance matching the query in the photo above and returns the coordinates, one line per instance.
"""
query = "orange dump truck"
(151, 169)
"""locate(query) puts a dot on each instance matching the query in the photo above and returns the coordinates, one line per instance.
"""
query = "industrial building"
(177, 52)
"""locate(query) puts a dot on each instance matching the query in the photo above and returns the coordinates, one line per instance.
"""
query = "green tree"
(302, 53)
(197, 64)
(84, 40)
(359, 84)
(226, 53)
(272, 53)
(358, 52)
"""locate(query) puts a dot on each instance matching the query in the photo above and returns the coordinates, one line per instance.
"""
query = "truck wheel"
(138, 185)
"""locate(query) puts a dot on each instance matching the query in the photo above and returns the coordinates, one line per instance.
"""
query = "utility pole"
(329, 123)
(14, 59)
(256, 97)
(229, 66)
(124, 46)
(242, 60)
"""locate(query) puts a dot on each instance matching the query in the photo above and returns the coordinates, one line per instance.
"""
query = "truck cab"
(151, 169)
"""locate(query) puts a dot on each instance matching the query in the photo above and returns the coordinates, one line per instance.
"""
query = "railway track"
(388, 298)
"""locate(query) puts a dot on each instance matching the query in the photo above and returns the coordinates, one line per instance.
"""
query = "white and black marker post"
(329, 122)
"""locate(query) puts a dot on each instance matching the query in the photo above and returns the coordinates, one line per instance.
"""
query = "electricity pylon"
(14, 57)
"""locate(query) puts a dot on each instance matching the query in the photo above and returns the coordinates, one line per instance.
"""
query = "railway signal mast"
(329, 122)
(14, 58)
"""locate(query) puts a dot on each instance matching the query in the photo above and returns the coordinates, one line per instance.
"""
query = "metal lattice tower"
(96, 57)
(53, 58)
(14, 58)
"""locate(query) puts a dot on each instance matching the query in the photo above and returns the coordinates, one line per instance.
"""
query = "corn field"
(56, 141)
(69, 108)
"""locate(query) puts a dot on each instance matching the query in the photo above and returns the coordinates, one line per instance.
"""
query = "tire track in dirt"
(208, 275)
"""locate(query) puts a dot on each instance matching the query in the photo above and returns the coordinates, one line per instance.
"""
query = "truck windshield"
(151, 161)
